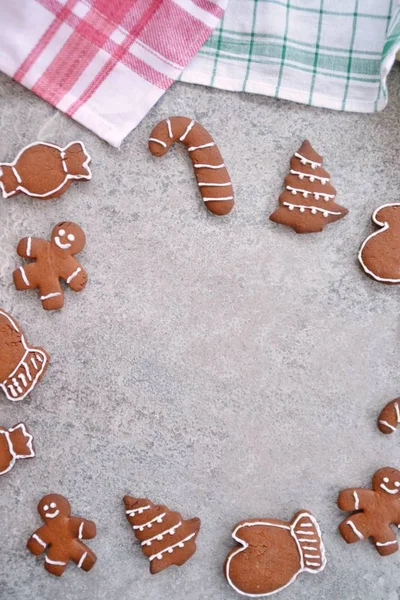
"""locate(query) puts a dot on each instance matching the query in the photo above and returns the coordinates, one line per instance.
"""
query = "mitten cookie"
(45, 171)
(376, 510)
(308, 202)
(61, 536)
(211, 174)
(15, 443)
(389, 417)
(165, 537)
(272, 553)
(21, 367)
(379, 254)
(54, 261)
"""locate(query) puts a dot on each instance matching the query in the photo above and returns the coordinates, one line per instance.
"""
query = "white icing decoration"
(354, 528)
(53, 504)
(158, 142)
(14, 455)
(309, 548)
(157, 519)
(16, 174)
(189, 127)
(202, 166)
(71, 237)
(384, 226)
(388, 490)
(23, 379)
(356, 501)
(74, 274)
(317, 209)
(52, 515)
(209, 145)
(208, 199)
(301, 175)
(169, 128)
(201, 184)
(54, 562)
(24, 277)
(307, 192)
(291, 529)
(140, 510)
(80, 530)
(178, 545)
(305, 160)
(80, 563)
(387, 425)
(28, 246)
(33, 361)
(396, 408)
(160, 536)
(386, 543)
(59, 243)
(312, 564)
(50, 296)
(68, 176)
(39, 540)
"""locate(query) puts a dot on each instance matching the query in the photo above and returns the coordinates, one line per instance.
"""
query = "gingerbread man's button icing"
(15, 443)
(21, 366)
(43, 170)
(374, 511)
(54, 260)
(61, 536)
(379, 254)
(166, 538)
(271, 554)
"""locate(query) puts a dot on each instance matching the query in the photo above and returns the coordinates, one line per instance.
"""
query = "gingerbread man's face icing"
(52, 506)
(387, 481)
(68, 237)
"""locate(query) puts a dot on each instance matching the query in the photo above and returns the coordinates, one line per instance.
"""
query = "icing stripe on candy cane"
(210, 170)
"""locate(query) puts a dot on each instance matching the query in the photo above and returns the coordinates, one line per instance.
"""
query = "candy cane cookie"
(211, 173)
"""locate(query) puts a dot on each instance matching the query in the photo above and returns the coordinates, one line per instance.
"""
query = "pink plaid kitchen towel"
(104, 63)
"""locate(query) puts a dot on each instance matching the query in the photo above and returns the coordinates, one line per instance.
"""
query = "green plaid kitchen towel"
(331, 53)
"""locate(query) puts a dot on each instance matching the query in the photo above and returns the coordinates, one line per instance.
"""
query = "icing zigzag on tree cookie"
(308, 202)
(166, 538)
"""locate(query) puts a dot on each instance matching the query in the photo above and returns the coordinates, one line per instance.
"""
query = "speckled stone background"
(225, 366)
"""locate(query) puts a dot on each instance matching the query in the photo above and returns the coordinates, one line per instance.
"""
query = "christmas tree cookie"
(166, 538)
(308, 202)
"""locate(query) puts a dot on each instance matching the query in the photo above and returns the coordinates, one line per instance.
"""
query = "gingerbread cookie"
(389, 417)
(379, 254)
(272, 553)
(15, 443)
(21, 367)
(375, 510)
(43, 170)
(211, 173)
(165, 537)
(308, 202)
(54, 261)
(61, 536)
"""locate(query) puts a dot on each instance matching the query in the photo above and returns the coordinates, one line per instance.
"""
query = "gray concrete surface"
(225, 366)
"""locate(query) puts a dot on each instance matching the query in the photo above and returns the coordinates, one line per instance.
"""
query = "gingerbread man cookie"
(375, 510)
(15, 443)
(166, 538)
(21, 367)
(272, 553)
(379, 254)
(54, 260)
(308, 202)
(211, 173)
(43, 170)
(389, 417)
(61, 536)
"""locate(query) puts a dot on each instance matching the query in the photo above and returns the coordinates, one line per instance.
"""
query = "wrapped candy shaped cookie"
(21, 366)
(15, 443)
(373, 511)
(271, 554)
(43, 170)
